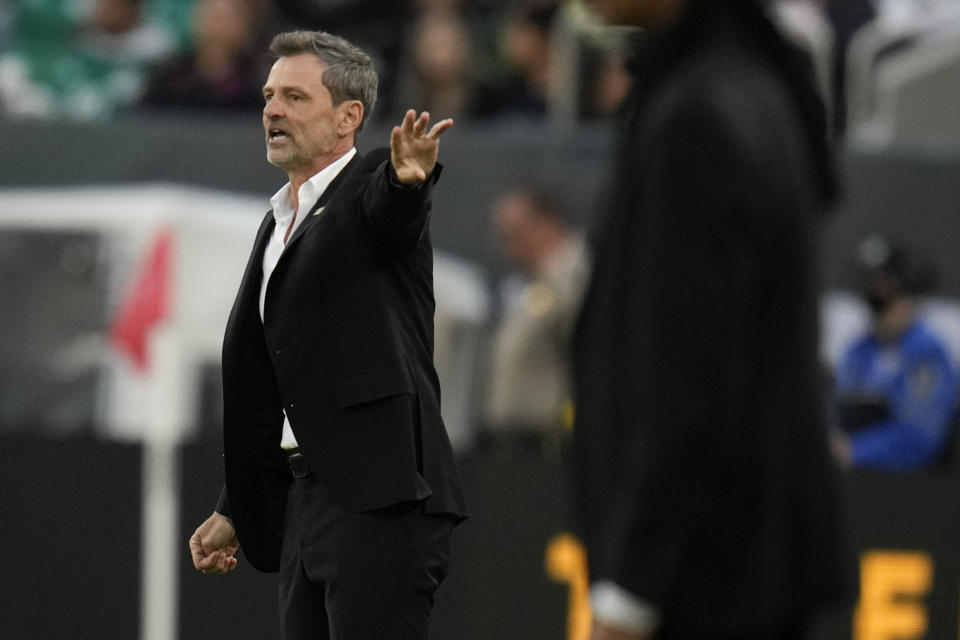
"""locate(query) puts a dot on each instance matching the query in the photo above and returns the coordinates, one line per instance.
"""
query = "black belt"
(298, 464)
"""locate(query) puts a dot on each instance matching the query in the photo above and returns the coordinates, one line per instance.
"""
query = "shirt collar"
(310, 191)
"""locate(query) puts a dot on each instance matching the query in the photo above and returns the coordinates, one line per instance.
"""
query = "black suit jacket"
(704, 485)
(346, 349)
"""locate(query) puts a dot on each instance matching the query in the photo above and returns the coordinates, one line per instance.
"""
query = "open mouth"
(275, 134)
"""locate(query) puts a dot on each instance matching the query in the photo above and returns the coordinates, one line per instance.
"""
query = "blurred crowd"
(473, 59)
(470, 59)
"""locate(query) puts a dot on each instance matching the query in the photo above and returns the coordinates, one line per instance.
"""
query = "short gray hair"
(349, 74)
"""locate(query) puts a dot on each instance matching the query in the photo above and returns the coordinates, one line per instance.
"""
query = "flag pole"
(162, 550)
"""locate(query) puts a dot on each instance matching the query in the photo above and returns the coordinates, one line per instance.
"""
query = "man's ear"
(351, 115)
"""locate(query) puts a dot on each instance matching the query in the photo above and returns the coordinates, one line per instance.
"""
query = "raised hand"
(413, 149)
(213, 545)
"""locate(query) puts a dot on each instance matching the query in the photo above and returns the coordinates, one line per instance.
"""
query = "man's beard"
(282, 157)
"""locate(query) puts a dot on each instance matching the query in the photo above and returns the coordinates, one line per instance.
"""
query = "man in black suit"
(704, 487)
(339, 472)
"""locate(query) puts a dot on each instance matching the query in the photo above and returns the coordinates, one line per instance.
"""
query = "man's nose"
(272, 109)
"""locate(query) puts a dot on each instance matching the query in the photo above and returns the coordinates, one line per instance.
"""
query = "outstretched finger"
(420, 126)
(406, 127)
(440, 127)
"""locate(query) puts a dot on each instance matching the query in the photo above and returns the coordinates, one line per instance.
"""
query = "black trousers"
(358, 576)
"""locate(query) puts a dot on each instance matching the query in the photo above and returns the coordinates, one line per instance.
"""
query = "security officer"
(896, 386)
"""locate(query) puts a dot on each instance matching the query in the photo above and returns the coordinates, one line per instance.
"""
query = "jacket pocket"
(373, 384)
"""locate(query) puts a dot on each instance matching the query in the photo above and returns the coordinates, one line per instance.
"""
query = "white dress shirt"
(283, 215)
(615, 606)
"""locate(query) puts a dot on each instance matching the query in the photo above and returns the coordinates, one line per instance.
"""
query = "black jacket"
(703, 479)
(346, 349)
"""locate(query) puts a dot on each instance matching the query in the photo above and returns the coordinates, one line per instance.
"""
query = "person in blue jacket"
(896, 386)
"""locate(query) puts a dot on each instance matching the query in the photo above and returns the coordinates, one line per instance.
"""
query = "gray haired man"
(339, 473)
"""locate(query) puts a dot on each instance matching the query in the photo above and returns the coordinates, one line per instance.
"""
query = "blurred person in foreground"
(339, 472)
(529, 391)
(896, 386)
(704, 488)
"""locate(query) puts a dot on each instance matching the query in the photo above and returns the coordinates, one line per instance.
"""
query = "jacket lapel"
(248, 295)
(321, 202)
(310, 220)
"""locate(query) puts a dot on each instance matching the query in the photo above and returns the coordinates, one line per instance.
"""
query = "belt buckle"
(298, 465)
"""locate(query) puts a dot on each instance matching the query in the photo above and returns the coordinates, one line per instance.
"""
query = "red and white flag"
(146, 303)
